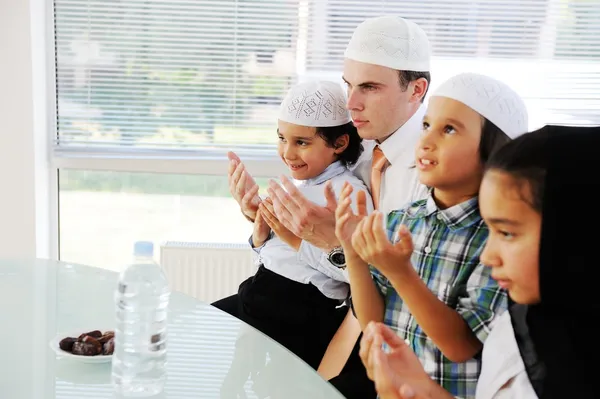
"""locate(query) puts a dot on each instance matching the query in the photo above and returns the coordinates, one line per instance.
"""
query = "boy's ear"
(341, 144)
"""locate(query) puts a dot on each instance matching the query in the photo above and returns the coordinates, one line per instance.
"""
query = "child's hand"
(397, 374)
(373, 246)
(345, 219)
(261, 230)
(242, 186)
(250, 202)
(266, 208)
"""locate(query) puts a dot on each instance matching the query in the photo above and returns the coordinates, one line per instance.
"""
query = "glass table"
(210, 353)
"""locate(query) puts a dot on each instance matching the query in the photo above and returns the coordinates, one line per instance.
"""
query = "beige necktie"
(380, 162)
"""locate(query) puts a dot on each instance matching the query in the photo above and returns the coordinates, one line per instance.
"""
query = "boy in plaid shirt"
(423, 277)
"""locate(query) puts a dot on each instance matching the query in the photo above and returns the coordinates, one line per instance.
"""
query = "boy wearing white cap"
(428, 284)
(292, 298)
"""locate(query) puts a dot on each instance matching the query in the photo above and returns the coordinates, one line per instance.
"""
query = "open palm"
(372, 244)
(346, 219)
(242, 186)
(398, 367)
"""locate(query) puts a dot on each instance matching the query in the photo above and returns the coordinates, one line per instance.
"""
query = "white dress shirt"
(503, 374)
(305, 266)
(400, 181)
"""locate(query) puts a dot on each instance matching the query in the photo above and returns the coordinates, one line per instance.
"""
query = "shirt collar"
(399, 148)
(456, 217)
(333, 170)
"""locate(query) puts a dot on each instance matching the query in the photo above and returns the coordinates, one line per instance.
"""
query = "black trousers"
(352, 382)
(296, 315)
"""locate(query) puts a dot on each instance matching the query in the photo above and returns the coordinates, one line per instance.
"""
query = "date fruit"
(92, 343)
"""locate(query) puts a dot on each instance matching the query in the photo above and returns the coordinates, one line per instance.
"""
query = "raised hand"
(242, 186)
(266, 208)
(304, 218)
(261, 230)
(397, 373)
(346, 220)
(371, 243)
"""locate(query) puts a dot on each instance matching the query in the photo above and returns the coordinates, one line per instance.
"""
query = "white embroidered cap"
(315, 104)
(392, 42)
(489, 97)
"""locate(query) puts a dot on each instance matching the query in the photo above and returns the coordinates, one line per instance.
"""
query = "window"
(548, 50)
(211, 74)
(177, 74)
(103, 213)
(159, 91)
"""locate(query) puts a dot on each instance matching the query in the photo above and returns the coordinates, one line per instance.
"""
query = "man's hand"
(345, 219)
(371, 243)
(266, 209)
(242, 187)
(305, 219)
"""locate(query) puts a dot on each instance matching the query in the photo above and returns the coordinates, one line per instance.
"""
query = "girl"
(429, 286)
(292, 297)
(543, 253)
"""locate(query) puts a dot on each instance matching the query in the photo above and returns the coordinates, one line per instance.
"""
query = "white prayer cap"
(315, 104)
(492, 99)
(392, 42)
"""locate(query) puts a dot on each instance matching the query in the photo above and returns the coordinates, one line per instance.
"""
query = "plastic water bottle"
(141, 299)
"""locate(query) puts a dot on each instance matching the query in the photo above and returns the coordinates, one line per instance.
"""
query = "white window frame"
(214, 164)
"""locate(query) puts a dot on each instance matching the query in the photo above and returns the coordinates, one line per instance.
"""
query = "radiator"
(204, 271)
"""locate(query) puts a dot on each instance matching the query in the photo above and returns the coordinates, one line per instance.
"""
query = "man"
(386, 71)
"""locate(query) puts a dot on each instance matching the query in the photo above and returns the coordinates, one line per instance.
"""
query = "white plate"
(54, 344)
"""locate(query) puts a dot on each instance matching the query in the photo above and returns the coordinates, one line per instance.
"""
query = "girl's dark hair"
(492, 138)
(525, 159)
(354, 148)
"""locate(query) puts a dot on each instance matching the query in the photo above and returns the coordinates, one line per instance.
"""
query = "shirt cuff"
(257, 249)
(317, 259)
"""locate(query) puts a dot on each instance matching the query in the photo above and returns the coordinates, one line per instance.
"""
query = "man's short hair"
(406, 77)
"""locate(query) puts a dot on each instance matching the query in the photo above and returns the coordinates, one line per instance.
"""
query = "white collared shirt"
(400, 183)
(309, 264)
(503, 374)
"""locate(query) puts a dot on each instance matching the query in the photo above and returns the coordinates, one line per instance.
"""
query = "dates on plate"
(84, 349)
(67, 344)
(106, 337)
(93, 334)
(92, 343)
(109, 347)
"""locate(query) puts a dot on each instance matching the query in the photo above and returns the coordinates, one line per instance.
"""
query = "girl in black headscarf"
(538, 198)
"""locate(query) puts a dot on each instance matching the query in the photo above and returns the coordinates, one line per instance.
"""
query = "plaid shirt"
(447, 245)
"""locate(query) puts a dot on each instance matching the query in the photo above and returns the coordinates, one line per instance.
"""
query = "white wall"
(25, 195)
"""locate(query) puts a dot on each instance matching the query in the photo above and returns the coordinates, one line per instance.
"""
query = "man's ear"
(341, 144)
(419, 89)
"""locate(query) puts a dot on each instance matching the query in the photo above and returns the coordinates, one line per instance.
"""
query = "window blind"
(192, 74)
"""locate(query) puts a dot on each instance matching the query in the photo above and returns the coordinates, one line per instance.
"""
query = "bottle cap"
(143, 248)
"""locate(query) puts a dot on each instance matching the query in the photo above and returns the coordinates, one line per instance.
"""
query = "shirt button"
(439, 216)
(407, 341)
(427, 250)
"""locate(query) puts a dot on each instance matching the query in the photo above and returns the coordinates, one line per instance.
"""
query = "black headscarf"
(559, 338)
